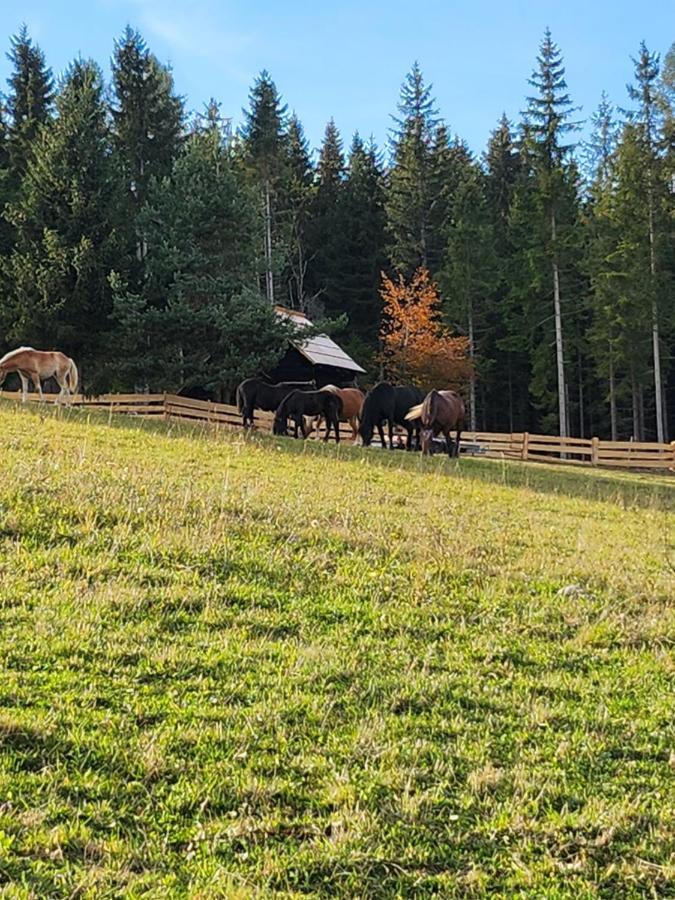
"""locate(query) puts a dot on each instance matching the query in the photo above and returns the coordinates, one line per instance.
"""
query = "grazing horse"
(254, 393)
(299, 404)
(440, 412)
(352, 404)
(39, 365)
(389, 404)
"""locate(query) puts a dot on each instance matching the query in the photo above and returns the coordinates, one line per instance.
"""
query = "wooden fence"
(520, 446)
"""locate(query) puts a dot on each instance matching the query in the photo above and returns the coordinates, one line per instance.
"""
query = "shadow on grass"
(628, 489)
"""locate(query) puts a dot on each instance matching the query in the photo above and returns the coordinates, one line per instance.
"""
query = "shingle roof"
(320, 350)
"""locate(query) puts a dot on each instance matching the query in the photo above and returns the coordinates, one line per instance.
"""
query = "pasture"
(260, 668)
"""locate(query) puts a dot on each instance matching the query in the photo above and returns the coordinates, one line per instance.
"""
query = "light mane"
(12, 353)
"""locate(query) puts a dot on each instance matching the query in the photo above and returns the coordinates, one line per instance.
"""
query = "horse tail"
(72, 376)
(414, 412)
(429, 408)
(240, 399)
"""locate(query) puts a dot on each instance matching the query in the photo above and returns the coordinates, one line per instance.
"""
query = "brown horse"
(39, 365)
(352, 404)
(440, 412)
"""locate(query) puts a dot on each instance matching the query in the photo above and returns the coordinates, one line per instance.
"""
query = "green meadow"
(258, 668)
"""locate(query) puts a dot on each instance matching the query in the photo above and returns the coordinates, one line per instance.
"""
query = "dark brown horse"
(255, 393)
(299, 404)
(439, 413)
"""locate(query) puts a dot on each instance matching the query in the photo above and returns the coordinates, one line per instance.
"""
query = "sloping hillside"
(254, 668)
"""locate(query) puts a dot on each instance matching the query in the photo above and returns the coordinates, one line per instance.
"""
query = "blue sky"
(347, 59)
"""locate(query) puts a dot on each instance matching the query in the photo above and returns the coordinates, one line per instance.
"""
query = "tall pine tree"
(264, 153)
(547, 122)
(67, 236)
(410, 193)
(147, 128)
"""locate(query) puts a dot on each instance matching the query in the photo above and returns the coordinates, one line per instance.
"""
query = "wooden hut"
(318, 357)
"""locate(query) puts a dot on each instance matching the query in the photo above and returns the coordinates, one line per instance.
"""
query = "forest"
(151, 243)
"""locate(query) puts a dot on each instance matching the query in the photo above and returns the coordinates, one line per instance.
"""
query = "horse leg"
(448, 442)
(64, 393)
(459, 432)
(381, 433)
(391, 434)
(337, 429)
(24, 387)
(38, 386)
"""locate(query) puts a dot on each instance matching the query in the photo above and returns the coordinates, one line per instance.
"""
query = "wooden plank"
(633, 445)
(556, 460)
(561, 448)
(659, 463)
(608, 457)
(556, 439)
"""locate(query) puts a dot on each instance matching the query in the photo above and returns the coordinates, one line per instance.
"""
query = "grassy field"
(255, 668)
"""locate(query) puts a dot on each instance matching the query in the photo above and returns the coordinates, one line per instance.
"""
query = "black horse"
(255, 393)
(389, 404)
(309, 403)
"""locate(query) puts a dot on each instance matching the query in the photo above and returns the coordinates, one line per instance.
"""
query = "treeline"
(151, 245)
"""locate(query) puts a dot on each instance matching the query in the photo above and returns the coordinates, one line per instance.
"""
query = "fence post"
(595, 444)
(526, 441)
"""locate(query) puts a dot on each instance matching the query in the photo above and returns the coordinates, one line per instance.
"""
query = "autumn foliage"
(416, 347)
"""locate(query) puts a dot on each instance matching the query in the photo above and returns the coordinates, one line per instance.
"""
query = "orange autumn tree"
(416, 346)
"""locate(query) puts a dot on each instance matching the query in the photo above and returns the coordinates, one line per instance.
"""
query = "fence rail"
(519, 445)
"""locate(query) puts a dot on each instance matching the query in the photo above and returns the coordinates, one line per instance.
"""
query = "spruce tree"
(66, 222)
(199, 319)
(604, 333)
(469, 272)
(265, 157)
(647, 120)
(147, 128)
(300, 193)
(361, 249)
(324, 268)
(29, 99)
(547, 121)
(410, 193)
(505, 370)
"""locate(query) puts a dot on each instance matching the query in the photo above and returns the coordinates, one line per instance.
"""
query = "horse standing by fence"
(387, 404)
(255, 393)
(299, 404)
(39, 365)
(440, 412)
(352, 404)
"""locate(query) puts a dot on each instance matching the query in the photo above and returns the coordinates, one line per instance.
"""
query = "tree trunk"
(635, 405)
(472, 379)
(560, 359)
(612, 396)
(510, 394)
(269, 277)
(581, 395)
(658, 390)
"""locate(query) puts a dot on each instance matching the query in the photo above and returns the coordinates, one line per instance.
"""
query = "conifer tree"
(598, 154)
(361, 250)
(546, 124)
(147, 128)
(300, 193)
(505, 371)
(29, 99)
(647, 121)
(469, 272)
(410, 193)
(66, 222)
(265, 156)
(199, 319)
(325, 228)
